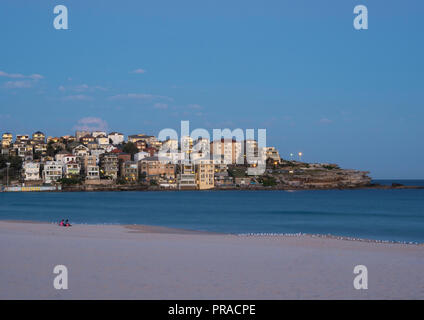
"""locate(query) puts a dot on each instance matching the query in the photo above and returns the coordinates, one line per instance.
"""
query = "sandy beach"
(143, 262)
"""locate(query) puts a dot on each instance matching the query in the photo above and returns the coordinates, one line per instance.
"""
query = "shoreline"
(140, 188)
(130, 228)
(152, 229)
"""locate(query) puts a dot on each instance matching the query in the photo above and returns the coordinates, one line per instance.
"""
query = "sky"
(298, 69)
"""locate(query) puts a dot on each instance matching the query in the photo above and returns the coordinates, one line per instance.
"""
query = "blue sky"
(296, 68)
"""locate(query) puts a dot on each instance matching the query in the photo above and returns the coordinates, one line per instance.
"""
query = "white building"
(173, 157)
(52, 171)
(201, 144)
(71, 169)
(170, 145)
(200, 150)
(186, 144)
(31, 171)
(97, 153)
(251, 151)
(22, 137)
(80, 151)
(272, 153)
(65, 158)
(187, 177)
(97, 134)
(102, 140)
(59, 156)
(141, 155)
(116, 137)
(109, 148)
(226, 151)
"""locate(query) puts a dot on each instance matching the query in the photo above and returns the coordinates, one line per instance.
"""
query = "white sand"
(115, 262)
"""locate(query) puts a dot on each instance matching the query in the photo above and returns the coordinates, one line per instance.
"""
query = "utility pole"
(7, 173)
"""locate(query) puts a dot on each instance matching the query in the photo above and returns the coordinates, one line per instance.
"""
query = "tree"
(50, 150)
(37, 155)
(15, 162)
(15, 165)
(268, 181)
(130, 148)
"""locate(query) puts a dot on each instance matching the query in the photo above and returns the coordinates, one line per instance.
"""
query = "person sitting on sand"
(61, 223)
(67, 224)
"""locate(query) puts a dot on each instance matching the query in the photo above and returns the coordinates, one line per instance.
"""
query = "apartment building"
(141, 145)
(87, 139)
(65, 158)
(80, 151)
(97, 134)
(6, 140)
(200, 150)
(136, 137)
(38, 137)
(88, 161)
(40, 147)
(22, 138)
(129, 170)
(272, 153)
(170, 145)
(186, 144)
(31, 171)
(227, 151)
(172, 156)
(97, 153)
(205, 171)
(92, 172)
(187, 177)
(102, 140)
(151, 166)
(141, 155)
(116, 138)
(52, 171)
(81, 133)
(109, 165)
(71, 169)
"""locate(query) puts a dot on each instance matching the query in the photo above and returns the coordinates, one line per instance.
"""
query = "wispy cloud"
(91, 124)
(139, 96)
(81, 88)
(161, 106)
(34, 76)
(195, 106)
(27, 81)
(138, 71)
(325, 121)
(77, 97)
(18, 84)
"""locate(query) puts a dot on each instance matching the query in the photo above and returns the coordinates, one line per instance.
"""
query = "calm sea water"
(396, 215)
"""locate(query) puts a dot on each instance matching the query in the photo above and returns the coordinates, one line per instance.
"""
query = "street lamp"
(7, 173)
(300, 156)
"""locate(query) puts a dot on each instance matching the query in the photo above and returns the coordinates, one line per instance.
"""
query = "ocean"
(387, 215)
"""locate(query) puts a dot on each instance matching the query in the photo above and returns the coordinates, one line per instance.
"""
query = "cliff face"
(323, 179)
(293, 174)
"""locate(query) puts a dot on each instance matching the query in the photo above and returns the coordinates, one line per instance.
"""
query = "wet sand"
(146, 262)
